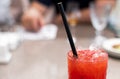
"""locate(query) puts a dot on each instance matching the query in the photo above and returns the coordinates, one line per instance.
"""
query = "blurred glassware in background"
(73, 13)
(9, 37)
(73, 16)
(99, 17)
(5, 21)
(114, 22)
(5, 55)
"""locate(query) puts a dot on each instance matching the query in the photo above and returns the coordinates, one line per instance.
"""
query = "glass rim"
(69, 56)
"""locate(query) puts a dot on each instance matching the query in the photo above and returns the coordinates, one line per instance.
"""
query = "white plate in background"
(108, 46)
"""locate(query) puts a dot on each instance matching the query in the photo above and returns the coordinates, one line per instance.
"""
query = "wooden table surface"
(47, 59)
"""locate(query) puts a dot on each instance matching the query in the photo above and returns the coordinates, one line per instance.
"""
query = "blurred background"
(25, 19)
(12, 11)
(33, 36)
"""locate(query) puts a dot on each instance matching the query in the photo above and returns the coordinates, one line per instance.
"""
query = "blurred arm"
(33, 17)
(39, 6)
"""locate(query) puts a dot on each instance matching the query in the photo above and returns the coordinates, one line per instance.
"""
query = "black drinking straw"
(67, 29)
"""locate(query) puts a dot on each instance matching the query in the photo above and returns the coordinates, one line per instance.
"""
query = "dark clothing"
(82, 3)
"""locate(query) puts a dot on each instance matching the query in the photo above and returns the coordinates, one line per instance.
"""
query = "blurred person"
(33, 17)
(10, 11)
(114, 23)
(5, 15)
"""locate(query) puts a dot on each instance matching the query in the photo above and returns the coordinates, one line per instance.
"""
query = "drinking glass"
(73, 15)
(90, 64)
(99, 17)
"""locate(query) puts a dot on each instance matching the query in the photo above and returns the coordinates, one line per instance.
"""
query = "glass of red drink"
(90, 64)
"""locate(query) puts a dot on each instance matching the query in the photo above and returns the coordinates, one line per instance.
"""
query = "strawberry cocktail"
(89, 64)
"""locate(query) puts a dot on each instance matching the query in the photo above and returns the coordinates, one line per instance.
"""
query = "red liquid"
(89, 65)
